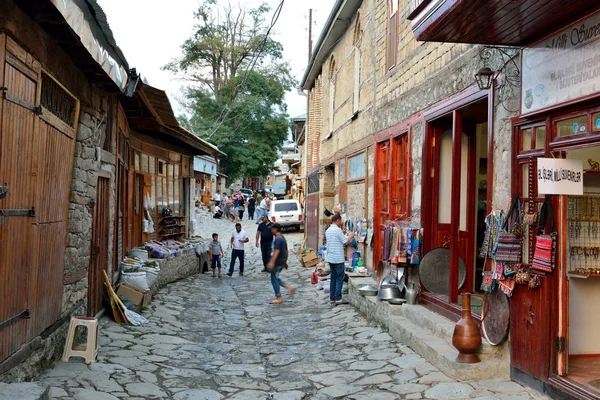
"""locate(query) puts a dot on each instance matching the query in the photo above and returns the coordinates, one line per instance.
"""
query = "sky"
(150, 33)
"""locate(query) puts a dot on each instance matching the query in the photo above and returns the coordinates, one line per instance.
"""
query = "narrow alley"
(210, 338)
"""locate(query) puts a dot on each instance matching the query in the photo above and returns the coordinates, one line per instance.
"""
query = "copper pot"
(467, 337)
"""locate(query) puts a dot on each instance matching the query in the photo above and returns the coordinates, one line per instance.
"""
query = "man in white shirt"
(336, 255)
(218, 212)
(238, 238)
(217, 199)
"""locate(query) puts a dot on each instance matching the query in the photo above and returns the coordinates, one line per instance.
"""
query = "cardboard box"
(137, 297)
(310, 259)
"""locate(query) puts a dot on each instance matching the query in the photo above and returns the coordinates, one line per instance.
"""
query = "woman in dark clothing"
(251, 207)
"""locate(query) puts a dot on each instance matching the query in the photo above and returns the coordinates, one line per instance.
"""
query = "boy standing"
(216, 253)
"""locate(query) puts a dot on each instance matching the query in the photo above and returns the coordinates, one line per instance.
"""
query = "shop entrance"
(583, 271)
(455, 199)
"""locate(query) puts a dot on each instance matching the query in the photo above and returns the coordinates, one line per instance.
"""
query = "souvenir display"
(510, 238)
(545, 244)
(583, 234)
(402, 244)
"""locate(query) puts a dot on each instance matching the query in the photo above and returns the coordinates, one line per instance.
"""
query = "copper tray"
(495, 317)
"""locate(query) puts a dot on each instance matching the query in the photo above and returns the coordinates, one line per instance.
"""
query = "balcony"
(493, 22)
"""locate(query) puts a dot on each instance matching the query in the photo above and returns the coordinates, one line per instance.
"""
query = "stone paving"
(212, 339)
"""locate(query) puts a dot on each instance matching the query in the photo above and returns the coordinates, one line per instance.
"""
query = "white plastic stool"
(90, 351)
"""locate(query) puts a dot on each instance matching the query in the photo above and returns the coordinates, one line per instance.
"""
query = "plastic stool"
(90, 351)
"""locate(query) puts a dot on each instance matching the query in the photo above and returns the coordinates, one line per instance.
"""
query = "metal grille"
(58, 101)
(313, 183)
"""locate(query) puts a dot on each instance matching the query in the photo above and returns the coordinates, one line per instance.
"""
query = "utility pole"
(310, 23)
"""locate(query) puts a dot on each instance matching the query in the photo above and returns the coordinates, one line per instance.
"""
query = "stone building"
(77, 128)
(399, 131)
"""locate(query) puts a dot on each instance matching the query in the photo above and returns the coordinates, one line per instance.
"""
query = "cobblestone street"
(211, 338)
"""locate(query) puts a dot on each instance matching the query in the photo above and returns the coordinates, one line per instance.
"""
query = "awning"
(498, 22)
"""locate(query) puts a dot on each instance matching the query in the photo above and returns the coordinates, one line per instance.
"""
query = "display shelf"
(171, 226)
(582, 275)
(173, 234)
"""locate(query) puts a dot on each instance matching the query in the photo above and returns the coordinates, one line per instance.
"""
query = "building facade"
(394, 80)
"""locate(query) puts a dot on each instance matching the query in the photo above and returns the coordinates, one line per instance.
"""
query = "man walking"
(263, 232)
(336, 243)
(263, 209)
(238, 238)
(278, 263)
(251, 206)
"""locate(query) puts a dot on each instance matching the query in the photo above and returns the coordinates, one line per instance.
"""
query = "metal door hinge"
(560, 344)
(23, 315)
(18, 212)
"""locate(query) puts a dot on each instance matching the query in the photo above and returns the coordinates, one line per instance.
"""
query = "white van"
(286, 213)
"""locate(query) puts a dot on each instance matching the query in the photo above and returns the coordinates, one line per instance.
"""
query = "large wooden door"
(99, 246)
(17, 135)
(38, 119)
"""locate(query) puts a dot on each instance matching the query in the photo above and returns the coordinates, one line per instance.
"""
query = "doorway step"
(430, 335)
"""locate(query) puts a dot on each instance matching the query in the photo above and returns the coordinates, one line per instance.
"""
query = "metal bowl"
(396, 301)
(389, 293)
(368, 290)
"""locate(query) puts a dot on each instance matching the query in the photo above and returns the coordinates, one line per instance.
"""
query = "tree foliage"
(237, 85)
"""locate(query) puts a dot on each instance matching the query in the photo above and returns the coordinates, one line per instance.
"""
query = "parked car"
(286, 213)
(246, 192)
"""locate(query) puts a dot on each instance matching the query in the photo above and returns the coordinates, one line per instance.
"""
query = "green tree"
(237, 85)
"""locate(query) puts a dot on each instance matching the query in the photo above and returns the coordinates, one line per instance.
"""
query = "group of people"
(233, 207)
(274, 251)
(273, 247)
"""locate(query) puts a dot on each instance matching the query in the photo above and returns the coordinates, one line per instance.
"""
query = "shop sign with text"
(562, 68)
(560, 176)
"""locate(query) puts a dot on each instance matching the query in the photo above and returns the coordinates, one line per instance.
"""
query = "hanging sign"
(560, 176)
(563, 67)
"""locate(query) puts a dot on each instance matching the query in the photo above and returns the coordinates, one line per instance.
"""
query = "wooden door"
(311, 221)
(99, 246)
(37, 138)
(452, 203)
(138, 210)
(17, 136)
(534, 313)
(382, 198)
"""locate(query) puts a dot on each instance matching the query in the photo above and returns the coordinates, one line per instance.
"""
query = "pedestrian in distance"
(278, 263)
(336, 243)
(218, 213)
(265, 237)
(251, 206)
(263, 209)
(241, 206)
(216, 254)
(217, 199)
(238, 238)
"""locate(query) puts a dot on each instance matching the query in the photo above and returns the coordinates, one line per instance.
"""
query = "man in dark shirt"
(251, 206)
(265, 235)
(277, 263)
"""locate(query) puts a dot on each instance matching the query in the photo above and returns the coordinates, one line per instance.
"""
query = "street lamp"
(484, 78)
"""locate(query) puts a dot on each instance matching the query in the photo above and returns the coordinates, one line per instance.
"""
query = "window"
(572, 126)
(284, 207)
(357, 166)
(313, 183)
(58, 101)
(342, 169)
(392, 43)
(533, 139)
